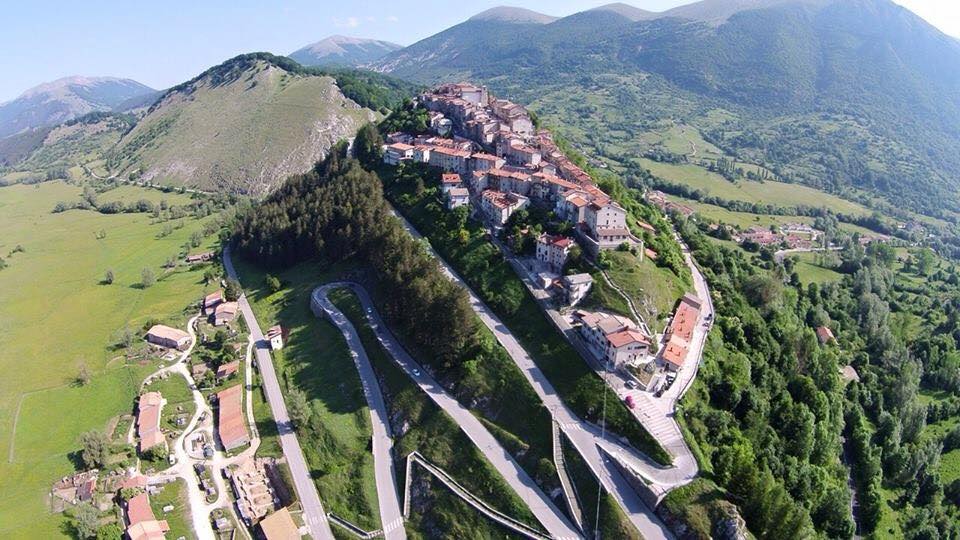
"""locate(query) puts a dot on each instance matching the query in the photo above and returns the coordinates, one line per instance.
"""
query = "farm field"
(56, 316)
(810, 271)
(768, 192)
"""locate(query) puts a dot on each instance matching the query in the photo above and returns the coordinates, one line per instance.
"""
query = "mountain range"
(846, 95)
(68, 98)
(343, 51)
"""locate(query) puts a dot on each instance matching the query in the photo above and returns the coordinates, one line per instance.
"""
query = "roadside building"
(576, 287)
(553, 250)
(251, 487)
(171, 338)
(200, 257)
(231, 426)
(149, 407)
(225, 313)
(275, 337)
(679, 333)
(279, 526)
(614, 338)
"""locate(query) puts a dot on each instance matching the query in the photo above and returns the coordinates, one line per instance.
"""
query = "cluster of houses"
(624, 346)
(497, 161)
(660, 200)
(791, 235)
(218, 310)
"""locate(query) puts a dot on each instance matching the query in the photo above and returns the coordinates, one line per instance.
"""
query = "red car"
(629, 401)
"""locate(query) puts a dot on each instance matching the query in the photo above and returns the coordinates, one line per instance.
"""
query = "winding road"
(551, 517)
(385, 473)
(313, 512)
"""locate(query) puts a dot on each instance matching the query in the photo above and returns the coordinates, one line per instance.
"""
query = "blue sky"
(163, 43)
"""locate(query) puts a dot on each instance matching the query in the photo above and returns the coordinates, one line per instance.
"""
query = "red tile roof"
(138, 509)
(231, 425)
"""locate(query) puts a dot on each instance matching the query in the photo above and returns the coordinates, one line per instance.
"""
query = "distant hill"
(513, 15)
(244, 125)
(343, 51)
(64, 99)
(838, 94)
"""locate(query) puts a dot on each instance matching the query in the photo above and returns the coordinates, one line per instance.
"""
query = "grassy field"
(56, 316)
(653, 289)
(127, 193)
(315, 360)
(173, 494)
(769, 192)
(811, 271)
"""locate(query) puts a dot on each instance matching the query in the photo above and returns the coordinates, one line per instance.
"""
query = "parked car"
(631, 383)
(629, 401)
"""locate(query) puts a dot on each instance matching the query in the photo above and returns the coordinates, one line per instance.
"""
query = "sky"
(161, 44)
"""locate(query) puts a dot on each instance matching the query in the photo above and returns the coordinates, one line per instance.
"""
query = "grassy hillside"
(239, 133)
(55, 316)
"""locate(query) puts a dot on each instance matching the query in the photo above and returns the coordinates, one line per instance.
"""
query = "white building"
(553, 251)
(394, 153)
(457, 196)
(606, 226)
(576, 287)
(275, 336)
(614, 338)
(449, 159)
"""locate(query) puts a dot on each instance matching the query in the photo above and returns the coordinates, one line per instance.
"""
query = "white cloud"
(944, 14)
(349, 22)
(392, 18)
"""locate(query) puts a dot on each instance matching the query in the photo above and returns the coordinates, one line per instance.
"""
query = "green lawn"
(653, 289)
(811, 271)
(56, 316)
(129, 193)
(768, 192)
(173, 494)
(179, 398)
(315, 359)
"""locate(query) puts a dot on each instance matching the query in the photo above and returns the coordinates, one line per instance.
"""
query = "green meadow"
(56, 316)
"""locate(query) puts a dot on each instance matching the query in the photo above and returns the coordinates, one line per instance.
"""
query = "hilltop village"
(495, 162)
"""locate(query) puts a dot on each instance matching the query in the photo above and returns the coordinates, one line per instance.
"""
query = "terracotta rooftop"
(231, 425)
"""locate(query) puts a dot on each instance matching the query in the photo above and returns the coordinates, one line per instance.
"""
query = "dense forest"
(769, 412)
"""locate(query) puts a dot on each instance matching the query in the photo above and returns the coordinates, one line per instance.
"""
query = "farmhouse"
(227, 370)
(225, 312)
(141, 523)
(231, 427)
(168, 337)
(148, 420)
(211, 301)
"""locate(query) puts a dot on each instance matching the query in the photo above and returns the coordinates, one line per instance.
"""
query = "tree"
(128, 493)
(233, 290)
(299, 407)
(273, 283)
(94, 449)
(147, 278)
(832, 513)
(925, 260)
(156, 453)
(108, 277)
(110, 531)
(85, 519)
(366, 146)
(208, 276)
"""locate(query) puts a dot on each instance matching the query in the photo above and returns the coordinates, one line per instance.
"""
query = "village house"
(165, 336)
(77, 488)
(576, 287)
(614, 338)
(499, 206)
(553, 251)
(227, 370)
(484, 162)
(680, 332)
(605, 227)
(211, 301)
(275, 337)
(225, 313)
(456, 197)
(279, 526)
(450, 181)
(149, 407)
(200, 257)
(396, 153)
(141, 523)
(825, 335)
(760, 236)
(449, 159)
(231, 427)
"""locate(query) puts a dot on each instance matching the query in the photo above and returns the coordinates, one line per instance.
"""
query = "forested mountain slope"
(842, 95)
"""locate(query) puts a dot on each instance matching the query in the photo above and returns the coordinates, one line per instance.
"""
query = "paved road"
(540, 505)
(388, 494)
(585, 437)
(313, 511)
